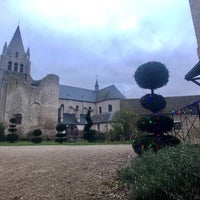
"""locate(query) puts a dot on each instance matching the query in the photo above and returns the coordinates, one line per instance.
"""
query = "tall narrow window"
(21, 68)
(100, 110)
(16, 67)
(110, 108)
(9, 66)
(17, 54)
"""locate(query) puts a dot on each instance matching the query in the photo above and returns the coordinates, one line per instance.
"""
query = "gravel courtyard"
(62, 172)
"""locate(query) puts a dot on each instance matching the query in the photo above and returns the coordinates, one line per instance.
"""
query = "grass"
(29, 143)
(171, 174)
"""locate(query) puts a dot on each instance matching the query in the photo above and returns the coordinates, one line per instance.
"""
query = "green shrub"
(12, 137)
(37, 132)
(36, 139)
(60, 136)
(154, 142)
(93, 136)
(2, 129)
(173, 173)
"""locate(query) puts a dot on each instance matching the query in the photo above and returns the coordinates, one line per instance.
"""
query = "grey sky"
(79, 40)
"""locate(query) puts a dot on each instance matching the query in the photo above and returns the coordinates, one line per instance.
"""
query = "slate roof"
(81, 94)
(16, 44)
(194, 74)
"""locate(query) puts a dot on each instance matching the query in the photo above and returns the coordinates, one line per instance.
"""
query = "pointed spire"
(28, 53)
(5, 48)
(96, 85)
(16, 47)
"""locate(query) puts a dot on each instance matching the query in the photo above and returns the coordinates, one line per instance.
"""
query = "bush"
(153, 142)
(172, 173)
(37, 132)
(2, 129)
(12, 137)
(93, 136)
(36, 139)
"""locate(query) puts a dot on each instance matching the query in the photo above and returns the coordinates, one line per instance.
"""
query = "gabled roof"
(16, 44)
(107, 93)
(81, 94)
(194, 74)
(75, 93)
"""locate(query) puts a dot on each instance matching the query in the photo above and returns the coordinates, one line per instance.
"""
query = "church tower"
(14, 58)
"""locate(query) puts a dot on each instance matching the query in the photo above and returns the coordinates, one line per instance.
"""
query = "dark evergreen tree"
(153, 75)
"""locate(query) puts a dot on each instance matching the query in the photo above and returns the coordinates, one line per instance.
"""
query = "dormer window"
(21, 68)
(9, 66)
(17, 54)
(15, 67)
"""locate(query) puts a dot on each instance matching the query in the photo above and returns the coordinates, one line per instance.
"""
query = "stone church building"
(44, 103)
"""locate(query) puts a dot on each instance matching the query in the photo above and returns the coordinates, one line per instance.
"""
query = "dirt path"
(62, 172)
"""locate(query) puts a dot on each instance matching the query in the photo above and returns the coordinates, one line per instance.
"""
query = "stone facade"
(195, 12)
(31, 102)
(44, 103)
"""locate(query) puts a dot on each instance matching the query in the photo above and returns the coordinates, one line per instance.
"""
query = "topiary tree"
(61, 137)
(36, 133)
(2, 129)
(12, 137)
(88, 134)
(153, 75)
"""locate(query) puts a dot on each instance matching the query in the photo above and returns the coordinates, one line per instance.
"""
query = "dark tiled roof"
(173, 104)
(80, 94)
(110, 92)
(193, 73)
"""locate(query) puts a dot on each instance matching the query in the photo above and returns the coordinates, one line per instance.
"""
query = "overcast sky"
(80, 40)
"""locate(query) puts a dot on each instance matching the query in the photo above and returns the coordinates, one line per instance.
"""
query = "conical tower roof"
(16, 44)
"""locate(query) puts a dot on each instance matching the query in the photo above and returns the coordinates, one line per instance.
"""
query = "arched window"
(9, 66)
(100, 110)
(16, 67)
(110, 108)
(21, 68)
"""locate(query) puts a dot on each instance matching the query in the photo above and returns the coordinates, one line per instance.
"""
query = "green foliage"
(2, 129)
(13, 120)
(171, 174)
(93, 136)
(61, 137)
(37, 132)
(61, 127)
(153, 142)
(151, 75)
(124, 126)
(12, 137)
(36, 139)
